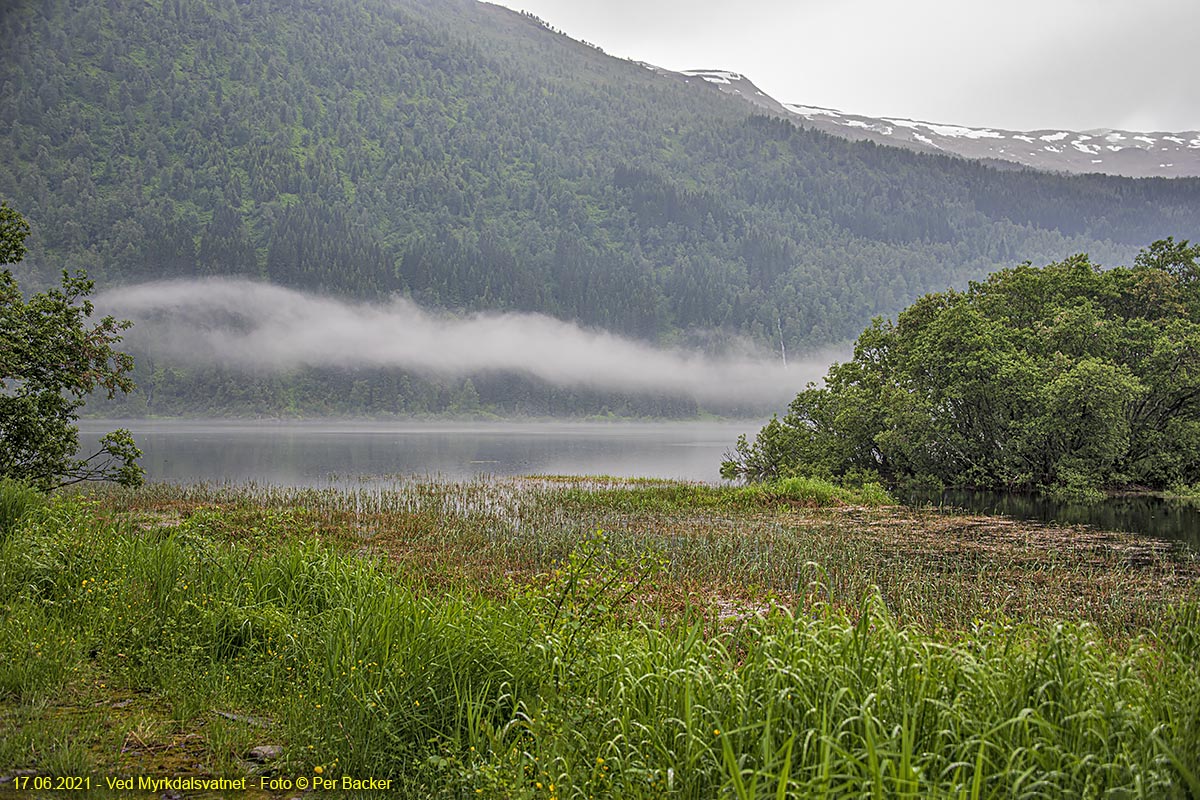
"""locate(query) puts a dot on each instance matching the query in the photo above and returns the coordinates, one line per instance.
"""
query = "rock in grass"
(248, 720)
(20, 773)
(264, 753)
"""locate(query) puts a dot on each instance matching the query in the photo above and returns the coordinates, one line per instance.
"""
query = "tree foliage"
(51, 358)
(1062, 376)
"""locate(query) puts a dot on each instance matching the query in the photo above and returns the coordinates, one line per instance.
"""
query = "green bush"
(1068, 378)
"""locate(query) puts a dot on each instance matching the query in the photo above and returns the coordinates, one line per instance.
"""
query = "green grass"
(581, 672)
(16, 499)
(677, 496)
(933, 570)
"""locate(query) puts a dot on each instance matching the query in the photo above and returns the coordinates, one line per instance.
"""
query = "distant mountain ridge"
(468, 157)
(1136, 154)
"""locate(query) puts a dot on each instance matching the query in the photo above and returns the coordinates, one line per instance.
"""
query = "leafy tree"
(50, 360)
(13, 230)
(1065, 376)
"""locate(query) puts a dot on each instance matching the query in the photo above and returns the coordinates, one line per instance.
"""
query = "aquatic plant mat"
(571, 638)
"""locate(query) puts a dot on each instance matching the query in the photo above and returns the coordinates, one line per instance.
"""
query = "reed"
(482, 639)
(932, 569)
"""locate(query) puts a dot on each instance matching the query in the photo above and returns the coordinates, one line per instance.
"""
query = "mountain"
(469, 157)
(1112, 152)
(1137, 154)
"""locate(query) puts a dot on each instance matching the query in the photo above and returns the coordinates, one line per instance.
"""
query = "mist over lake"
(265, 328)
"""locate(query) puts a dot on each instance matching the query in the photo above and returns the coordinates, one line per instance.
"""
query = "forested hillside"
(472, 158)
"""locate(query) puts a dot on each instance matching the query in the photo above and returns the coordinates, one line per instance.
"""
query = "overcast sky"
(1018, 64)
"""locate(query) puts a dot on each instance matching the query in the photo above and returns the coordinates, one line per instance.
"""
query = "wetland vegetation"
(567, 637)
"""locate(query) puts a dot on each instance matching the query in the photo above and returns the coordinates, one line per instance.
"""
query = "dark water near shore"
(1163, 519)
(320, 453)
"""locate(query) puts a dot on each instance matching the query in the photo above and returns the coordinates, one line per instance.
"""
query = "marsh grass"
(16, 499)
(724, 546)
(659, 496)
(483, 640)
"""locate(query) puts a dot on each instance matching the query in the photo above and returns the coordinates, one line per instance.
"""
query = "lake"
(320, 453)
(348, 452)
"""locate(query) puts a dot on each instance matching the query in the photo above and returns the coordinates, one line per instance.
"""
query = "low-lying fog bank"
(257, 326)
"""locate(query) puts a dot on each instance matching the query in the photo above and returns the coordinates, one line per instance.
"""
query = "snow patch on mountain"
(719, 76)
(1057, 150)
(1132, 153)
(812, 110)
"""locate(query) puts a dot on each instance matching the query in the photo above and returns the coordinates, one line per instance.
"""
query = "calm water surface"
(1163, 519)
(322, 452)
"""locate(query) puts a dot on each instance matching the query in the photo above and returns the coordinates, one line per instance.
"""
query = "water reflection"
(1154, 516)
(342, 452)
